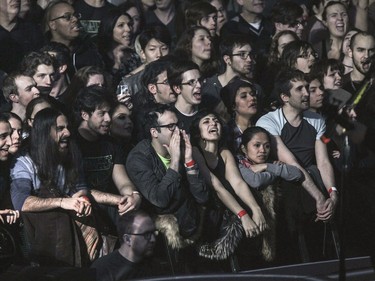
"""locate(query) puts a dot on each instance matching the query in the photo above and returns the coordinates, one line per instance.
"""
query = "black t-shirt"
(15, 44)
(184, 120)
(99, 157)
(91, 16)
(114, 267)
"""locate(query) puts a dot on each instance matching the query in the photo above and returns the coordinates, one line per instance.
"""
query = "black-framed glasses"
(306, 55)
(171, 126)
(244, 55)
(146, 235)
(193, 82)
(165, 82)
(68, 16)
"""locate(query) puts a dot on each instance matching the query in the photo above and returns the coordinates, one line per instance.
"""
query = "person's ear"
(152, 88)
(154, 133)
(279, 26)
(142, 55)
(30, 123)
(350, 52)
(177, 89)
(14, 98)
(284, 97)
(85, 115)
(63, 68)
(52, 25)
(127, 239)
(227, 60)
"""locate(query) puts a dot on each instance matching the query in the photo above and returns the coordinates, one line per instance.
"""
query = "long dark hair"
(45, 153)
(195, 133)
(106, 44)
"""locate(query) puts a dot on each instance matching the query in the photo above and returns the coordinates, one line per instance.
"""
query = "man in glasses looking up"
(165, 174)
(184, 78)
(137, 233)
(61, 24)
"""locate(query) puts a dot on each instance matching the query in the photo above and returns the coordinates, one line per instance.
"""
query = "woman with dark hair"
(336, 19)
(231, 196)
(329, 72)
(202, 14)
(263, 176)
(298, 55)
(16, 125)
(115, 35)
(253, 162)
(122, 127)
(195, 45)
(134, 9)
(240, 99)
(279, 41)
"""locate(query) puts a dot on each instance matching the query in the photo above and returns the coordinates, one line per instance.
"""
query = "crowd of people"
(158, 137)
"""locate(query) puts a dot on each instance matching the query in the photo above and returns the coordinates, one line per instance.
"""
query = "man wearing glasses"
(137, 234)
(165, 174)
(184, 79)
(238, 58)
(61, 24)
(155, 90)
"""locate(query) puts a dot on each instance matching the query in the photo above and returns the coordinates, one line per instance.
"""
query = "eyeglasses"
(146, 235)
(165, 82)
(68, 16)
(244, 55)
(297, 23)
(193, 82)
(307, 55)
(171, 126)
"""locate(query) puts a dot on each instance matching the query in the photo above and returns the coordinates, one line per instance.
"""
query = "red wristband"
(190, 164)
(241, 213)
